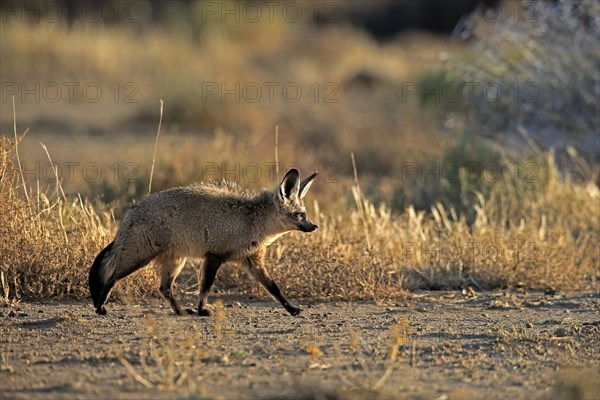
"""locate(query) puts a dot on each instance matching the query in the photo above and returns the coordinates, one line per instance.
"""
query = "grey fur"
(219, 223)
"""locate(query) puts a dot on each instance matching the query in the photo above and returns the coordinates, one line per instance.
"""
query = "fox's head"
(290, 206)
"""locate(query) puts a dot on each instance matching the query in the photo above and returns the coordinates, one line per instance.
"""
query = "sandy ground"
(449, 345)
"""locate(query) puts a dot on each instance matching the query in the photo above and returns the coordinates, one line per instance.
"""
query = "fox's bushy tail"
(99, 277)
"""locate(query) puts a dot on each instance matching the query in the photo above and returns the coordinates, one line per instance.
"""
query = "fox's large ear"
(305, 184)
(290, 185)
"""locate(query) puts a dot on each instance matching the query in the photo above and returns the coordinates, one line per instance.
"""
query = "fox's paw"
(294, 310)
(101, 310)
(202, 312)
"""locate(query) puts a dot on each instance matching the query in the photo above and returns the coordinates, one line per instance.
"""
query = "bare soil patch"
(432, 345)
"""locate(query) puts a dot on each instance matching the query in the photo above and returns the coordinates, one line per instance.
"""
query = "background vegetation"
(450, 194)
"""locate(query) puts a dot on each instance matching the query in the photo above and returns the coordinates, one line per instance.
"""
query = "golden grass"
(538, 238)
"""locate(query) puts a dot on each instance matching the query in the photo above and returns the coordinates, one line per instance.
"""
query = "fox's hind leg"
(170, 267)
(212, 262)
(258, 271)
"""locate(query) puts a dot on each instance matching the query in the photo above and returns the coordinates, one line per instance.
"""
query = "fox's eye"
(300, 215)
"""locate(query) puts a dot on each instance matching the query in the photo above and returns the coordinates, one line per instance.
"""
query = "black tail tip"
(96, 280)
(96, 286)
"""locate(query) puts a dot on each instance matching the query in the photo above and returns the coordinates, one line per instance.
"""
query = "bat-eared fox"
(219, 223)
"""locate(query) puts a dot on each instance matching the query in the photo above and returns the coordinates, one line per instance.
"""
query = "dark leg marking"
(212, 263)
(255, 265)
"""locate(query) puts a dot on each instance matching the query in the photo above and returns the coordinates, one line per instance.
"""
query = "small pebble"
(560, 332)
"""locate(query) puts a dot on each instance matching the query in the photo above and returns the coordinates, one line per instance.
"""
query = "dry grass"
(538, 238)
(376, 239)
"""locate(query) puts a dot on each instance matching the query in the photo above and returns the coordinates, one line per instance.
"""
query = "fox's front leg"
(212, 263)
(255, 264)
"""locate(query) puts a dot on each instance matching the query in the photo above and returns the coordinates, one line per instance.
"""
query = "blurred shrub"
(453, 179)
(530, 76)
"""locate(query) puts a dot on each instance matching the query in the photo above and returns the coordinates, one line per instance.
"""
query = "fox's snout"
(307, 226)
(312, 228)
